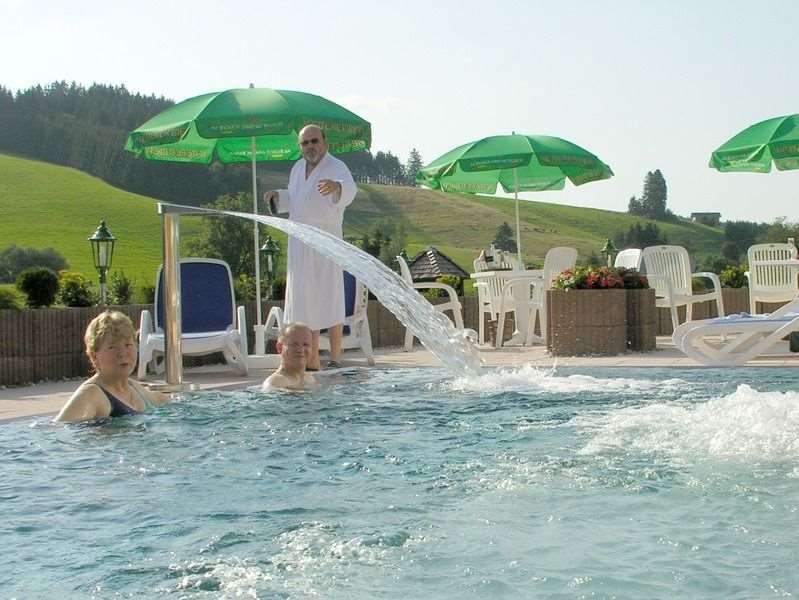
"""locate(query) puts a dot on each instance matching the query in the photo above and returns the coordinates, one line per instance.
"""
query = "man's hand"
(328, 186)
(271, 199)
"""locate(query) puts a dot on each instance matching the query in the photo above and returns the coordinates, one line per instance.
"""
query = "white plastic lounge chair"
(735, 339)
(668, 269)
(452, 305)
(556, 261)
(210, 320)
(629, 259)
(770, 283)
(356, 332)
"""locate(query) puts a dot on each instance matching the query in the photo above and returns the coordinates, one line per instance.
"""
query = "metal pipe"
(257, 244)
(172, 307)
(518, 227)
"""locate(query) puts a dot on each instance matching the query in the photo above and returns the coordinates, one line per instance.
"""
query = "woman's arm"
(151, 396)
(88, 403)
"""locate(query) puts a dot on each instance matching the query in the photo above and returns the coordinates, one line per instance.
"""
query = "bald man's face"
(312, 145)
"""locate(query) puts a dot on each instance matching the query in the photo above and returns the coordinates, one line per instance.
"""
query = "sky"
(644, 85)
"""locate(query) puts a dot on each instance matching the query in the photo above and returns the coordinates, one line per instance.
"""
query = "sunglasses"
(311, 141)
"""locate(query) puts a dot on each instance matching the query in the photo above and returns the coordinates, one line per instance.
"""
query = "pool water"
(605, 483)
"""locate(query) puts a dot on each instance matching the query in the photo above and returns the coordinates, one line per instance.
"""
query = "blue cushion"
(206, 298)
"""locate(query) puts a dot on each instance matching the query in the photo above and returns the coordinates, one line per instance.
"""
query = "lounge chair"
(770, 283)
(356, 333)
(736, 339)
(210, 320)
(668, 269)
(452, 305)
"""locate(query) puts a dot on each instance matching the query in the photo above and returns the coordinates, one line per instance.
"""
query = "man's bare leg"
(335, 342)
(313, 357)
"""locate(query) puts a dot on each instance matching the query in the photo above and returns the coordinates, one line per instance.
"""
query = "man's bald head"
(313, 143)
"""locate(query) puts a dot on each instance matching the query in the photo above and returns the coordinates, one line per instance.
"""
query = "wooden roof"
(430, 264)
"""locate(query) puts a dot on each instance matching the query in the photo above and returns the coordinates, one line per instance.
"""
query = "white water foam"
(528, 379)
(747, 424)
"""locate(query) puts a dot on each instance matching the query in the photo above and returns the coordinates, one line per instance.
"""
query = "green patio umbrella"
(246, 125)
(754, 148)
(519, 163)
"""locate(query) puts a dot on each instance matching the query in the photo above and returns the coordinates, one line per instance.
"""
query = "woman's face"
(116, 357)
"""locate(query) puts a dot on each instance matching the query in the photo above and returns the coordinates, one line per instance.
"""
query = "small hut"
(430, 264)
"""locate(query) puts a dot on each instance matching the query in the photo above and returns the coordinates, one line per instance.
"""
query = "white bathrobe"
(314, 285)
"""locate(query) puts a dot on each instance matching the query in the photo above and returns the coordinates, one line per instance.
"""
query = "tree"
(503, 239)
(652, 203)
(228, 238)
(14, 260)
(413, 166)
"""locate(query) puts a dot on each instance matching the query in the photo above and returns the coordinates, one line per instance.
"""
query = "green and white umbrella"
(246, 125)
(519, 163)
(755, 148)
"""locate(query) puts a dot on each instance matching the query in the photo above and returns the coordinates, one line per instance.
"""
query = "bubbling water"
(451, 346)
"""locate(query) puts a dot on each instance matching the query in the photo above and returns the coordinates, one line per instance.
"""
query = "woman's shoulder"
(87, 402)
(149, 396)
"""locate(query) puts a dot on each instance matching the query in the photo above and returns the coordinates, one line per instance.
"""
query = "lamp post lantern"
(102, 241)
(271, 250)
(609, 249)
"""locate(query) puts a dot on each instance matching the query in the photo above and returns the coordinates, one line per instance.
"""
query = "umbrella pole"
(518, 226)
(256, 244)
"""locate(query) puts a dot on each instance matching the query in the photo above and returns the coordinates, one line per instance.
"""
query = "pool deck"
(48, 398)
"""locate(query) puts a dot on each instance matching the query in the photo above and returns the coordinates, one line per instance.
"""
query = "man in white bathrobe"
(320, 188)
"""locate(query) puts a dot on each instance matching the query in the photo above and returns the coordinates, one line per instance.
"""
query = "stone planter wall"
(581, 322)
(641, 320)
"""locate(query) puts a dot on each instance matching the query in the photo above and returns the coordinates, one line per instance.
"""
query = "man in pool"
(320, 188)
(294, 345)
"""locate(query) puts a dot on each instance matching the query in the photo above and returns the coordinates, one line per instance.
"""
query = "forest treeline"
(86, 128)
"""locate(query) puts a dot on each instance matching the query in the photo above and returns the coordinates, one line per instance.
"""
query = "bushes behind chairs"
(40, 286)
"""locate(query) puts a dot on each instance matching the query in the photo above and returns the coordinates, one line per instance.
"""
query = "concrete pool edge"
(47, 398)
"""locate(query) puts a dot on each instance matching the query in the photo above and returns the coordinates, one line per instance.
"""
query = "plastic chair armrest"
(708, 275)
(453, 295)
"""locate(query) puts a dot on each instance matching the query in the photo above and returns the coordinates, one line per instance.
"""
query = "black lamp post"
(271, 250)
(102, 242)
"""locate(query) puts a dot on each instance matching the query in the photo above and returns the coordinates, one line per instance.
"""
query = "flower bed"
(600, 311)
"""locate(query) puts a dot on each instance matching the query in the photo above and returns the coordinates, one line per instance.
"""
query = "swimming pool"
(637, 483)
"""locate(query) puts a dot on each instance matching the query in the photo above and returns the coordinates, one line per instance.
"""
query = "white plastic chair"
(356, 333)
(557, 260)
(770, 283)
(210, 320)
(668, 269)
(736, 339)
(453, 304)
(489, 290)
(629, 259)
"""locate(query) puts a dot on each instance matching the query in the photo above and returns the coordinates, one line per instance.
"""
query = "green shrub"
(14, 260)
(9, 299)
(244, 288)
(40, 286)
(147, 294)
(75, 290)
(120, 289)
(733, 277)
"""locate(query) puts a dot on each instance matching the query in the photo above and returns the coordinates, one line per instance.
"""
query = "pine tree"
(413, 166)
(653, 200)
(503, 239)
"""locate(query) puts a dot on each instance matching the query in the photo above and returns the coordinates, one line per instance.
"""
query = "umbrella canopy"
(246, 124)
(755, 148)
(222, 126)
(519, 163)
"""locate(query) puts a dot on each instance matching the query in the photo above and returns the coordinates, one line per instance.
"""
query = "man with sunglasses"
(320, 188)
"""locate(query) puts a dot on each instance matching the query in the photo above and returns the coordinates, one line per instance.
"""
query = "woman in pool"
(111, 348)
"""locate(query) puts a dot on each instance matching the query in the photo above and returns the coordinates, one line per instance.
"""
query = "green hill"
(45, 205)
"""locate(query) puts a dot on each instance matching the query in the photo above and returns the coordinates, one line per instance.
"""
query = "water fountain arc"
(434, 330)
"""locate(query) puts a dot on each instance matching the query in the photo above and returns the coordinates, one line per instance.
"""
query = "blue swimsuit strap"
(118, 408)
